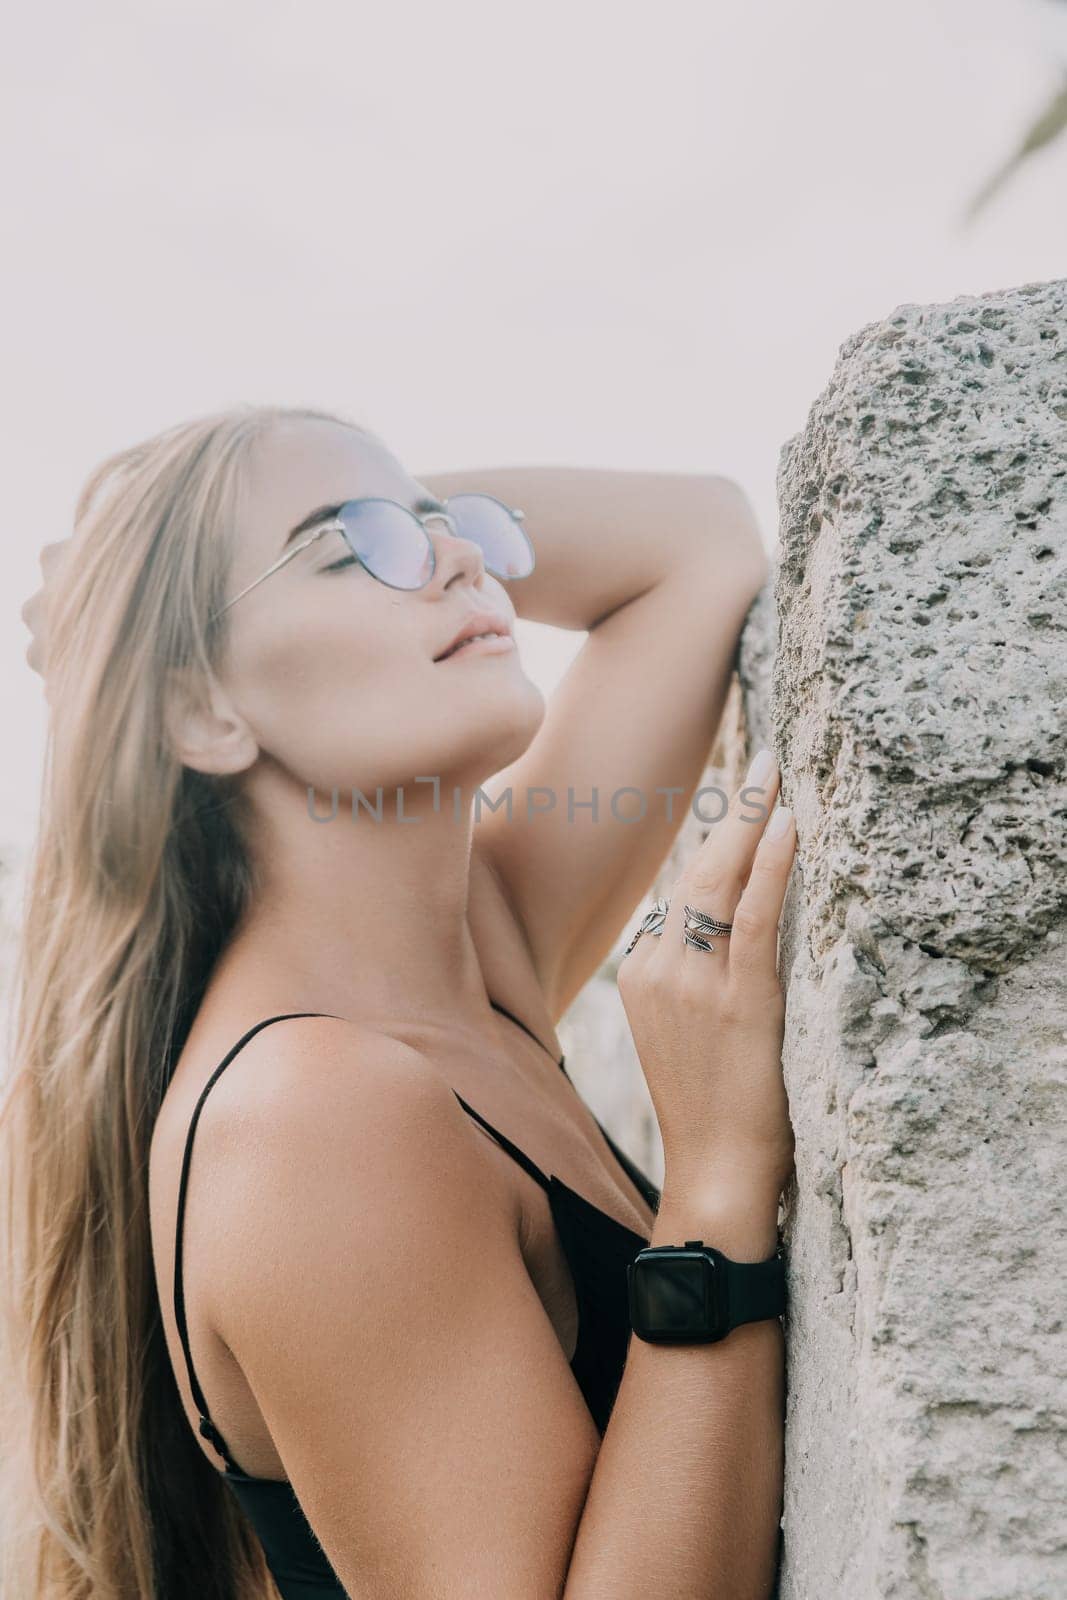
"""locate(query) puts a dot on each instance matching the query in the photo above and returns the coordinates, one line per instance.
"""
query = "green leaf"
(1043, 131)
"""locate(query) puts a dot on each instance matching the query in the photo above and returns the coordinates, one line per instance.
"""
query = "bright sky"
(584, 231)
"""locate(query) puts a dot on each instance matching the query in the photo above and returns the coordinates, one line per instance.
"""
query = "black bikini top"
(598, 1249)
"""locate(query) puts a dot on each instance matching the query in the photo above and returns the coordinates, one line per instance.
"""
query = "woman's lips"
(496, 644)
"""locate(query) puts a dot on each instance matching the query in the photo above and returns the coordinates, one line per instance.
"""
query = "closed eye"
(338, 566)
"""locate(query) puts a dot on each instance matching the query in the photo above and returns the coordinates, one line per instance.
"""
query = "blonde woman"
(315, 1260)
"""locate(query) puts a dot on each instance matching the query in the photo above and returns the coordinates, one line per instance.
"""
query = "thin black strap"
(498, 1007)
(644, 1185)
(642, 1182)
(502, 1139)
(207, 1427)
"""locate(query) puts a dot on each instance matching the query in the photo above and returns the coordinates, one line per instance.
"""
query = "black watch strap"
(754, 1289)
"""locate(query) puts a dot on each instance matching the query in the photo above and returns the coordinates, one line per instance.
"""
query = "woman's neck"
(366, 918)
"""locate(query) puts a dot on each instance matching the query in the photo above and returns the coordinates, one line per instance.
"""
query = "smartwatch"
(692, 1294)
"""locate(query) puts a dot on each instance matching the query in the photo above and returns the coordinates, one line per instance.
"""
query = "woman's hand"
(708, 1026)
(35, 610)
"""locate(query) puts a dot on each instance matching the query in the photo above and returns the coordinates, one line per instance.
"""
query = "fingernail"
(761, 767)
(781, 817)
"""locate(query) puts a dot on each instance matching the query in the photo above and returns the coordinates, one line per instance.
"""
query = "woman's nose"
(456, 553)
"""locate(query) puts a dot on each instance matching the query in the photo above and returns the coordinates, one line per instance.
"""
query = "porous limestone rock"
(911, 670)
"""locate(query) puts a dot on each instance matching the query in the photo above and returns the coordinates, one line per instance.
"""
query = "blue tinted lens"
(390, 542)
(488, 522)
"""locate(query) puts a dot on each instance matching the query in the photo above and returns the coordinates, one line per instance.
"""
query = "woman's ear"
(204, 728)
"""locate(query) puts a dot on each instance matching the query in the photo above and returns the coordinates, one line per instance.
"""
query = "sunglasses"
(392, 544)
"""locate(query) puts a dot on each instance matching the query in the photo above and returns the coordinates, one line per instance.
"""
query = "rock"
(914, 672)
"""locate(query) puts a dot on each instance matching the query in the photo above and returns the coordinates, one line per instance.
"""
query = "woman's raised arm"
(660, 568)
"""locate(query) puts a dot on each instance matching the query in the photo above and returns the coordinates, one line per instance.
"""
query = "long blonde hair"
(137, 877)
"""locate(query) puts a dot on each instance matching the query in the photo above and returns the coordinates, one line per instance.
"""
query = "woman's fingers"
(35, 610)
(712, 882)
(708, 1022)
(714, 879)
(52, 555)
(754, 939)
(32, 616)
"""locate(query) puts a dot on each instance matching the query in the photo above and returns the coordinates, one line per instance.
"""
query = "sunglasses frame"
(336, 525)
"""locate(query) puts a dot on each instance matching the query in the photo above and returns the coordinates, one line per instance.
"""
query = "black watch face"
(674, 1295)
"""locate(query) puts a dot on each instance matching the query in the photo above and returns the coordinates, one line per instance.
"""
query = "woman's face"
(333, 671)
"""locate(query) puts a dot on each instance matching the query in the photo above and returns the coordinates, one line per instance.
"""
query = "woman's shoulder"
(335, 1134)
(292, 1076)
(313, 1112)
(377, 1302)
(297, 1091)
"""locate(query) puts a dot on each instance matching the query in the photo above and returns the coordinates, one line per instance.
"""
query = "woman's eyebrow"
(313, 518)
(424, 503)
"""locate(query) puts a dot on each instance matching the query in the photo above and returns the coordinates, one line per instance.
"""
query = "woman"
(373, 1333)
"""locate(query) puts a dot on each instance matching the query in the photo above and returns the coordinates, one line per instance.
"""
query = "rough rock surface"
(913, 669)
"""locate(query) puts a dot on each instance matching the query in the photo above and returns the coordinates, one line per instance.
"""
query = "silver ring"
(699, 929)
(651, 922)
